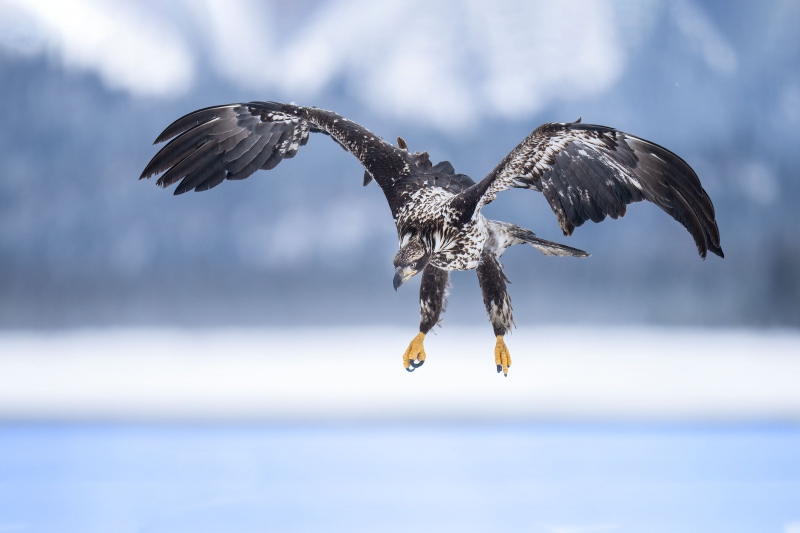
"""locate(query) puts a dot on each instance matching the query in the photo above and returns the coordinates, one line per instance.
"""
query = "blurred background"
(229, 361)
(89, 85)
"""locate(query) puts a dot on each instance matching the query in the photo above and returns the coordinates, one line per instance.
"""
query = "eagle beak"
(401, 274)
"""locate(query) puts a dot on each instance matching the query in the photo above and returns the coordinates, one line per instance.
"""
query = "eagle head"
(410, 259)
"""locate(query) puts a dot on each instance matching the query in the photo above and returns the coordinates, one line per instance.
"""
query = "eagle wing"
(233, 141)
(588, 172)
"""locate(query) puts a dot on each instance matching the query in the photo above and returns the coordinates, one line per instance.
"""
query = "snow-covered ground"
(324, 431)
(308, 375)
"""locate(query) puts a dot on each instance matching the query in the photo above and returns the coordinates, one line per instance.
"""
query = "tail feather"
(546, 247)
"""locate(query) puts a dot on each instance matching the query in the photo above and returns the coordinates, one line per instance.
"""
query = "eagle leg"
(432, 302)
(498, 306)
(502, 357)
(414, 355)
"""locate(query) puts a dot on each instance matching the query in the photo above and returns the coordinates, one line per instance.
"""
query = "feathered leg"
(498, 306)
(432, 301)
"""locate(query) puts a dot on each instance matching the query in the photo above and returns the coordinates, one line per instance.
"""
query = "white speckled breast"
(452, 249)
(464, 251)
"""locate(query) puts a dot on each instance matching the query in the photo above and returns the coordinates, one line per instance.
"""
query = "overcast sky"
(438, 63)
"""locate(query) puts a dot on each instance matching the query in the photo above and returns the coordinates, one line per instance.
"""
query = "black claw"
(505, 375)
(499, 368)
(411, 369)
(416, 365)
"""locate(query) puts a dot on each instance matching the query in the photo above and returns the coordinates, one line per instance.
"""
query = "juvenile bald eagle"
(586, 172)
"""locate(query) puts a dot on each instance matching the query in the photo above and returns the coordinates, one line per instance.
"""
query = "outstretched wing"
(588, 172)
(232, 141)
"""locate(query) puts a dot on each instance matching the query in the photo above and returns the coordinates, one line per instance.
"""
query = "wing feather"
(237, 145)
(239, 166)
(233, 141)
(590, 196)
(193, 119)
(588, 172)
(203, 178)
(181, 147)
(187, 165)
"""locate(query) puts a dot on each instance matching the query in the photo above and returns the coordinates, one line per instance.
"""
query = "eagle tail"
(526, 236)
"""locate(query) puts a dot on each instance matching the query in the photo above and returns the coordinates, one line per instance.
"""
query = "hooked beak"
(401, 274)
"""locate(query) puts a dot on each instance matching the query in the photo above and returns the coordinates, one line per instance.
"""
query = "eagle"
(585, 171)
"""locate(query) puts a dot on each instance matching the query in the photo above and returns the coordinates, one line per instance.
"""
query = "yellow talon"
(415, 354)
(502, 357)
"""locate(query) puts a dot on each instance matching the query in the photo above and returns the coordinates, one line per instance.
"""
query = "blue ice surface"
(559, 478)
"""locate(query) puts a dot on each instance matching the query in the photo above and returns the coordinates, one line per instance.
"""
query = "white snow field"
(317, 374)
(595, 430)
